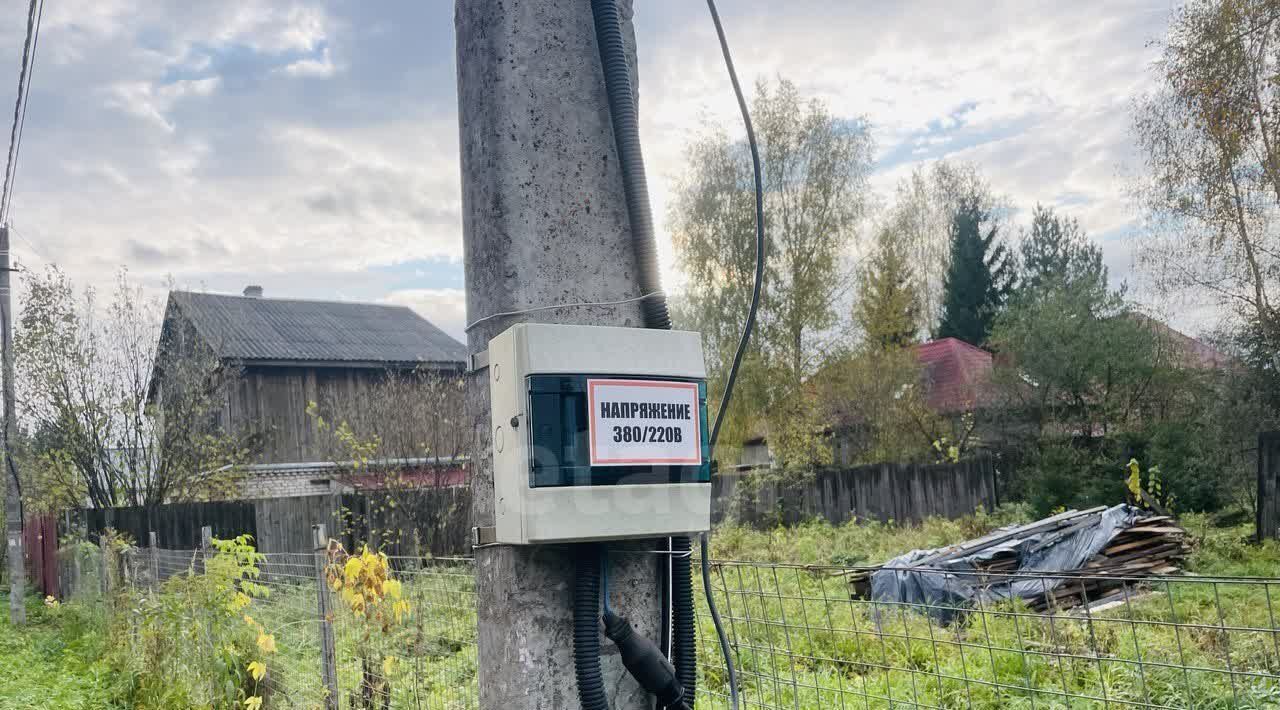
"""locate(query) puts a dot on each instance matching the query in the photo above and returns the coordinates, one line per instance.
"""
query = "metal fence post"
(155, 559)
(328, 654)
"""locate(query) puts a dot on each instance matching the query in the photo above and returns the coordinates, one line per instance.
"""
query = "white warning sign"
(644, 422)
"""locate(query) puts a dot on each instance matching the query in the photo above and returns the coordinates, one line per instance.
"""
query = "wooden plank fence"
(177, 525)
(284, 524)
(424, 521)
(436, 521)
(1268, 513)
(906, 493)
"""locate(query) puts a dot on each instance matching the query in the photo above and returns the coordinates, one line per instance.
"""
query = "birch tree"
(925, 203)
(1210, 139)
(816, 167)
(99, 432)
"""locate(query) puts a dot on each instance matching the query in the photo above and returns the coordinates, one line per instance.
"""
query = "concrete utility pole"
(12, 499)
(544, 222)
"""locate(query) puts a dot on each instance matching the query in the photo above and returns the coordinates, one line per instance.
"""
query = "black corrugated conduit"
(677, 619)
(626, 132)
(684, 642)
(626, 136)
(586, 629)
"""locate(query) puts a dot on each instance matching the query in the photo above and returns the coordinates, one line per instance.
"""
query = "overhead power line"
(35, 249)
(35, 13)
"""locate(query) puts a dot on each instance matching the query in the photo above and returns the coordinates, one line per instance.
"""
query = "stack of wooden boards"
(1151, 544)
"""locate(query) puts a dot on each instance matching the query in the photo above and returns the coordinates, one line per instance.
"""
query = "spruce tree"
(1056, 251)
(888, 307)
(978, 278)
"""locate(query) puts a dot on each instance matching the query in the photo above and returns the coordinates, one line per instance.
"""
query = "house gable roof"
(957, 375)
(1187, 351)
(275, 329)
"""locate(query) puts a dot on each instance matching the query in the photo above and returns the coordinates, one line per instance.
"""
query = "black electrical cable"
(747, 328)
(664, 586)
(34, 18)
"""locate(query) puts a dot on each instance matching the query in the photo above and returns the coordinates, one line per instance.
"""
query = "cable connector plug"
(645, 662)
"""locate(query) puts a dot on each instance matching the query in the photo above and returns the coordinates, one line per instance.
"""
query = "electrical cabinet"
(599, 433)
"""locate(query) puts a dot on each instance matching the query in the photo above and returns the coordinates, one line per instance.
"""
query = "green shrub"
(190, 643)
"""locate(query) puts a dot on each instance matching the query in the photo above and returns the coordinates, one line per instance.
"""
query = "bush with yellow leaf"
(199, 645)
(364, 584)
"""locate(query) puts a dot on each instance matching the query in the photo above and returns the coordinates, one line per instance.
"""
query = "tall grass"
(801, 641)
(56, 661)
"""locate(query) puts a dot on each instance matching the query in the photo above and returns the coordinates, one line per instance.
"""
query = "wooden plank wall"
(884, 492)
(272, 401)
(1268, 513)
(40, 551)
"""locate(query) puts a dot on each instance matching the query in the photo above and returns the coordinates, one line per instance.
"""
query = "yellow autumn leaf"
(253, 702)
(240, 601)
(249, 620)
(400, 609)
(388, 665)
(257, 670)
(352, 569)
(392, 587)
(267, 643)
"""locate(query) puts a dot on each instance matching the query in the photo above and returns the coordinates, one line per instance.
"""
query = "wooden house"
(288, 353)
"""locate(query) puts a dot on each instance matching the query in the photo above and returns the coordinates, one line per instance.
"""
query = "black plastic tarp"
(946, 581)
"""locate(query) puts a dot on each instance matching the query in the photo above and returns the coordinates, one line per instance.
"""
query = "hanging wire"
(34, 16)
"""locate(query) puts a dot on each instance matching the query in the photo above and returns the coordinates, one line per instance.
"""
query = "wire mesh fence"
(801, 637)
(804, 637)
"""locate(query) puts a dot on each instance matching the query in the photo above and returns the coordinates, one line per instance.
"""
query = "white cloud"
(1036, 92)
(214, 153)
(153, 102)
(272, 27)
(321, 68)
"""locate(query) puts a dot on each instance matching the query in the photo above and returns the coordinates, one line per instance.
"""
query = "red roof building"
(957, 375)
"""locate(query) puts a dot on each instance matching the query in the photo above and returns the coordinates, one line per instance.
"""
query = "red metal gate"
(40, 548)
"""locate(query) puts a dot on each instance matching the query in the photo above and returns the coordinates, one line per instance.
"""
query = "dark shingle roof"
(244, 328)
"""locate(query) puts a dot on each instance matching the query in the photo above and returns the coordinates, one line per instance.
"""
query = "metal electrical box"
(599, 433)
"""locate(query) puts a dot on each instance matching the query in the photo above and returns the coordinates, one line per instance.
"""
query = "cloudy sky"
(311, 147)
